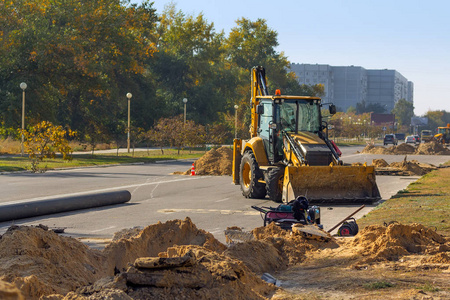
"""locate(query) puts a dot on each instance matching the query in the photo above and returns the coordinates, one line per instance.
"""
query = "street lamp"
(129, 95)
(23, 86)
(235, 120)
(184, 101)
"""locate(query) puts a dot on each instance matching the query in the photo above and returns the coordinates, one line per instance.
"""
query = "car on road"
(417, 138)
(390, 139)
(411, 139)
(400, 136)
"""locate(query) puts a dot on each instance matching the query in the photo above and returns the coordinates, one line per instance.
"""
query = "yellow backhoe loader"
(443, 135)
(289, 153)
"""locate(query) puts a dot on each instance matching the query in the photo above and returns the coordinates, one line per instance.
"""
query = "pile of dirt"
(379, 163)
(429, 148)
(40, 262)
(194, 272)
(400, 149)
(215, 162)
(275, 249)
(166, 260)
(378, 243)
(404, 168)
(440, 258)
(157, 238)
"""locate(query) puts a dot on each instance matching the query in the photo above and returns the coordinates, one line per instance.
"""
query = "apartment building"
(346, 86)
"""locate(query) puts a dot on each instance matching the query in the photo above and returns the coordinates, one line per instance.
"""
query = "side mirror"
(332, 109)
(260, 109)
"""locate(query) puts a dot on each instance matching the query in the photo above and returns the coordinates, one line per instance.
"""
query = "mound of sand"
(400, 149)
(379, 163)
(166, 260)
(40, 262)
(157, 238)
(431, 148)
(192, 272)
(215, 162)
(377, 243)
(411, 168)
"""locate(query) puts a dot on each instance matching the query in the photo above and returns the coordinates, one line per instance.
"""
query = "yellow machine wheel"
(249, 175)
(274, 183)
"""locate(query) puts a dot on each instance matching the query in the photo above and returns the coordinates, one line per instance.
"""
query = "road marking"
(207, 211)
(221, 200)
(103, 229)
(103, 190)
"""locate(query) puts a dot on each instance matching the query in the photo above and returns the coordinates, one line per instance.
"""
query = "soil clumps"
(429, 148)
(432, 148)
(166, 260)
(41, 262)
(403, 168)
(378, 243)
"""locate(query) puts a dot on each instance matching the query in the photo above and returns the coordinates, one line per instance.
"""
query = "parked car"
(390, 139)
(417, 138)
(411, 139)
(400, 136)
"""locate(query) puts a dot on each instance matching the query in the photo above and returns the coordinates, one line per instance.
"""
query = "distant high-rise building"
(347, 86)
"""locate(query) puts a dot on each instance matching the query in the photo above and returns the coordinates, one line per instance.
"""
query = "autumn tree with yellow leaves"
(44, 140)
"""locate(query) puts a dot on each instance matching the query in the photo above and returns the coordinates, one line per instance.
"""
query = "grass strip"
(17, 163)
(425, 201)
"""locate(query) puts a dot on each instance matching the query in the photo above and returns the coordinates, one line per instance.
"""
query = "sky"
(411, 37)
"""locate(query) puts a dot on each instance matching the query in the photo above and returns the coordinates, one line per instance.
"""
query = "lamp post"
(184, 101)
(23, 86)
(129, 95)
(235, 120)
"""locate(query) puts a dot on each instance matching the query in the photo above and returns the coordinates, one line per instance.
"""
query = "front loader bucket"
(334, 185)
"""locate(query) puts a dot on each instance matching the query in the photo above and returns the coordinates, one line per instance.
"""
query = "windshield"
(299, 115)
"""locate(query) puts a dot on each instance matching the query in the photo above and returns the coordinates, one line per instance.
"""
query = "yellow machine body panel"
(308, 138)
(330, 183)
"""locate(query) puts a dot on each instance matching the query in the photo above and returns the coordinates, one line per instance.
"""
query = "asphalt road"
(212, 202)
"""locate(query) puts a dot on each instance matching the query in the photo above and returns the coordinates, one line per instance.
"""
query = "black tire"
(345, 230)
(274, 183)
(249, 174)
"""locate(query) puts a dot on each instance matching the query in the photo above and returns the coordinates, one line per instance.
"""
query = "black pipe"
(51, 206)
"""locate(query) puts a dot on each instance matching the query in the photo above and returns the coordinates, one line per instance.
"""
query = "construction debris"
(166, 260)
(403, 168)
(429, 148)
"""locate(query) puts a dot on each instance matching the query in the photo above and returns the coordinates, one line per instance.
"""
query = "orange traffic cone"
(193, 170)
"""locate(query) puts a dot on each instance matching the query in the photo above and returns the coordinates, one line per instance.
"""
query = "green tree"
(70, 53)
(437, 118)
(190, 65)
(403, 111)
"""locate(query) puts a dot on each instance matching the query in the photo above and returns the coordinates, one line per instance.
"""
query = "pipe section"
(57, 205)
